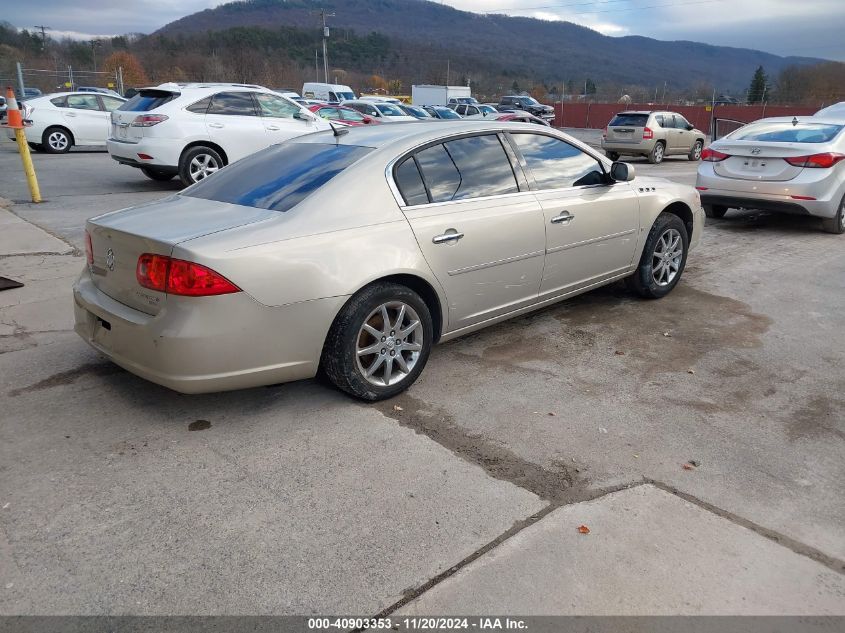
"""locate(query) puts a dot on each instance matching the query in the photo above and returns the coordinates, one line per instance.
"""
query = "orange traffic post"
(14, 121)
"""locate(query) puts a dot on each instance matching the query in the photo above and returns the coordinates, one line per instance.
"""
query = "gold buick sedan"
(351, 252)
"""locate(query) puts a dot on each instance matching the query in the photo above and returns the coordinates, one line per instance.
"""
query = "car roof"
(412, 133)
(808, 118)
(86, 93)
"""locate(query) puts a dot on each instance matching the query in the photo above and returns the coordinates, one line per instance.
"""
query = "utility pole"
(323, 16)
(94, 45)
(448, 62)
(43, 28)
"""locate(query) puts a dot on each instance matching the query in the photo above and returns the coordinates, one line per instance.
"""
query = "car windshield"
(529, 100)
(389, 109)
(279, 177)
(446, 113)
(343, 96)
(632, 119)
(487, 109)
(786, 132)
(147, 100)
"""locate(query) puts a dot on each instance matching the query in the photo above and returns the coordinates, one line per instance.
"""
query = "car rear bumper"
(206, 344)
(164, 152)
(732, 201)
(627, 147)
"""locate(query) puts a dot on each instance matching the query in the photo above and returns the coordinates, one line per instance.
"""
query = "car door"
(480, 231)
(233, 123)
(685, 139)
(86, 121)
(591, 222)
(279, 117)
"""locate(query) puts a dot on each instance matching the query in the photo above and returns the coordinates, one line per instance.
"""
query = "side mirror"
(690, 126)
(622, 172)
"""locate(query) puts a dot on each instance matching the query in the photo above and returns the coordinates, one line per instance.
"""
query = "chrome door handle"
(447, 237)
(215, 125)
(274, 128)
(564, 218)
(70, 114)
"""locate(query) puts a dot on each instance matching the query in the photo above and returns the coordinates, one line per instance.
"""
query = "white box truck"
(439, 95)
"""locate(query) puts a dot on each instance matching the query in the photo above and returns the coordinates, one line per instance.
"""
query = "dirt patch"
(559, 482)
(199, 425)
(820, 416)
(69, 377)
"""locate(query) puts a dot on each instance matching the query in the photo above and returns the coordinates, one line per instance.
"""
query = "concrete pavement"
(118, 496)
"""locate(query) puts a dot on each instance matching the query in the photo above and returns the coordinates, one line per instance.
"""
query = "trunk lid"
(755, 160)
(118, 239)
(627, 127)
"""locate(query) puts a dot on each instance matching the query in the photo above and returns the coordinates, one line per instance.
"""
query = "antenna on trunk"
(338, 131)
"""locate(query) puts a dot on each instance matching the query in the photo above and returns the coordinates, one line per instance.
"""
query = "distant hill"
(427, 33)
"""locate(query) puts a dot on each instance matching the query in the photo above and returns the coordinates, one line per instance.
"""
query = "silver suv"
(654, 135)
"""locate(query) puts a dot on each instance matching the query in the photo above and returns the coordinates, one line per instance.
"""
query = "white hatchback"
(65, 119)
(193, 130)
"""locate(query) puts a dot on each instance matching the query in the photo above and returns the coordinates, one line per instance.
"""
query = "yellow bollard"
(15, 121)
(28, 168)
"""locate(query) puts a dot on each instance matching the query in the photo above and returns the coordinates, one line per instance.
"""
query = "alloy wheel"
(202, 166)
(667, 257)
(696, 151)
(658, 153)
(388, 344)
(58, 141)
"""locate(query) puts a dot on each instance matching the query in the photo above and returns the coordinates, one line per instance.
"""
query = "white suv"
(192, 130)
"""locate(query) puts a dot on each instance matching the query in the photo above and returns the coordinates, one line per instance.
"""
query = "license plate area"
(755, 164)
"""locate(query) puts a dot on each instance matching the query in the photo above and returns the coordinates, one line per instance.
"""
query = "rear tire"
(715, 210)
(612, 156)
(836, 224)
(360, 326)
(657, 154)
(695, 152)
(157, 174)
(57, 140)
(663, 260)
(197, 163)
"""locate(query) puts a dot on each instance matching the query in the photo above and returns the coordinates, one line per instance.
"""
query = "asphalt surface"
(118, 496)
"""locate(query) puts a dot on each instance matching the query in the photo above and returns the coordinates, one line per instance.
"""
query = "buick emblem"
(756, 151)
(110, 259)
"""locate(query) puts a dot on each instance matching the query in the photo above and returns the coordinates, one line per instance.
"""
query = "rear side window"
(410, 182)
(279, 177)
(147, 100)
(633, 120)
(556, 164)
(232, 104)
(83, 102)
(467, 168)
(785, 132)
(59, 102)
(200, 107)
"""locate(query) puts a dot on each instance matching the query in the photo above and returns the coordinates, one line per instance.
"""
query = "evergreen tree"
(759, 87)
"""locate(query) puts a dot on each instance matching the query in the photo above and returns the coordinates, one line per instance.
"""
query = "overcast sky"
(810, 28)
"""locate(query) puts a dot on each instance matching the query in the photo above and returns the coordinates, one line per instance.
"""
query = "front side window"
(467, 168)
(279, 177)
(556, 164)
(680, 122)
(275, 107)
(83, 102)
(232, 104)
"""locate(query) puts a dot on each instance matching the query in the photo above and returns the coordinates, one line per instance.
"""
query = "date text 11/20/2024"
(418, 624)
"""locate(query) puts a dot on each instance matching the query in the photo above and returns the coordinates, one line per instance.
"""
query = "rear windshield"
(634, 120)
(279, 177)
(147, 100)
(785, 132)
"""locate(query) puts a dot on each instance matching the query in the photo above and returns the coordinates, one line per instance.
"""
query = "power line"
(619, 10)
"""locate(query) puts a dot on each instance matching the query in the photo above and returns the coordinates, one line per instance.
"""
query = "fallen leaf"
(689, 467)
(619, 352)
(396, 407)
(667, 334)
(602, 429)
(636, 456)
(692, 462)
(690, 371)
(583, 529)
(552, 413)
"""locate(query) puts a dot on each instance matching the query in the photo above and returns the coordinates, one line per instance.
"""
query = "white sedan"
(65, 119)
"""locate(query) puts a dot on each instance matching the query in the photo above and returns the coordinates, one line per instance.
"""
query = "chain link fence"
(61, 79)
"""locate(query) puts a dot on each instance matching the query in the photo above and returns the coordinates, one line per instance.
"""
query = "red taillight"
(89, 249)
(802, 197)
(818, 161)
(145, 157)
(148, 120)
(648, 133)
(179, 277)
(712, 156)
(702, 188)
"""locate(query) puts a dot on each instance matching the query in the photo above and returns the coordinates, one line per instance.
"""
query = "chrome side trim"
(590, 241)
(515, 258)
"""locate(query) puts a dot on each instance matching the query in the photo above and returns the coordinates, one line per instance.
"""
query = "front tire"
(379, 343)
(695, 152)
(657, 154)
(157, 174)
(198, 163)
(715, 210)
(663, 260)
(836, 224)
(56, 140)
